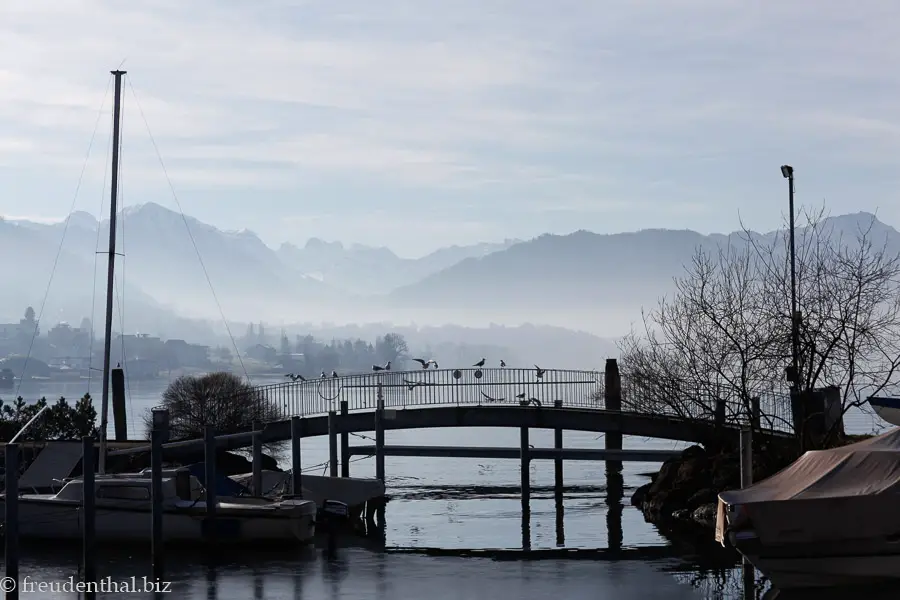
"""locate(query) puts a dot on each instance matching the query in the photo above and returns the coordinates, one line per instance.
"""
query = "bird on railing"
(323, 374)
(334, 374)
(540, 372)
(386, 367)
(480, 363)
(521, 396)
(411, 385)
(426, 363)
(534, 401)
(502, 363)
(490, 399)
(296, 377)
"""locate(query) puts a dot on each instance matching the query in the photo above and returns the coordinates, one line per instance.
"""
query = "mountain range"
(177, 267)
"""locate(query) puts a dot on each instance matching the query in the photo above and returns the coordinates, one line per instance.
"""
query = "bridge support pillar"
(612, 384)
(332, 444)
(345, 441)
(296, 462)
(526, 487)
(379, 434)
(558, 483)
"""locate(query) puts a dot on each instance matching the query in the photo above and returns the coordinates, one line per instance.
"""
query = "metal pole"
(110, 274)
(88, 509)
(156, 492)
(332, 444)
(210, 436)
(379, 434)
(12, 518)
(256, 476)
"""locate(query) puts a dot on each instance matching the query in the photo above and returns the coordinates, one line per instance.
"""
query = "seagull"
(296, 377)
(411, 385)
(425, 363)
(480, 363)
(502, 363)
(521, 396)
(334, 374)
(387, 367)
(540, 372)
(489, 399)
(323, 374)
(535, 401)
(377, 368)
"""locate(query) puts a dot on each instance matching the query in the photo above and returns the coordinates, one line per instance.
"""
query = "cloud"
(582, 109)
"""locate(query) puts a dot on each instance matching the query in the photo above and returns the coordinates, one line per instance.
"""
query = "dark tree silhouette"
(62, 421)
(222, 400)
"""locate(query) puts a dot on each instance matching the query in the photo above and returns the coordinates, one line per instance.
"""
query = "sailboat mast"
(110, 276)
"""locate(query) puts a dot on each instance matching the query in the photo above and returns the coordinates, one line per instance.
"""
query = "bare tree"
(725, 332)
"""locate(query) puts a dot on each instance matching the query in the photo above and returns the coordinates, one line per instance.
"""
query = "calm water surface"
(443, 503)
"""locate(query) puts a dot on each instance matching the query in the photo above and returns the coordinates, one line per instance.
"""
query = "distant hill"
(582, 281)
(366, 270)
(573, 279)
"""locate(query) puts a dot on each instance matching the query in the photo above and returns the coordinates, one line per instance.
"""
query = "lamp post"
(793, 373)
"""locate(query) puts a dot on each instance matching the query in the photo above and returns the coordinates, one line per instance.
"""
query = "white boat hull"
(887, 409)
(49, 520)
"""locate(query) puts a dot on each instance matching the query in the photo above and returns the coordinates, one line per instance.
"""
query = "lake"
(436, 503)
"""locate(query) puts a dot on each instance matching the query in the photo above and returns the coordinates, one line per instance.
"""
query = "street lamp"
(793, 375)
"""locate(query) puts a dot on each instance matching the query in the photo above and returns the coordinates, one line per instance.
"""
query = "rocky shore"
(685, 490)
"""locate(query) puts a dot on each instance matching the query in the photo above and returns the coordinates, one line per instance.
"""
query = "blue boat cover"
(225, 486)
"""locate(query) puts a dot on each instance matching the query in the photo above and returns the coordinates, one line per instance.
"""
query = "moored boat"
(828, 519)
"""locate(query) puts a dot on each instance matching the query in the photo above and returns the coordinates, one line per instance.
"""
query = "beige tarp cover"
(844, 493)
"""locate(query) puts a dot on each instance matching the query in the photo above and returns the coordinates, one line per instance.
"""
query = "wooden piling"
(525, 487)
(746, 457)
(11, 558)
(210, 525)
(156, 496)
(720, 414)
(88, 510)
(332, 444)
(612, 385)
(120, 421)
(256, 475)
(296, 462)
(558, 462)
(379, 434)
(345, 441)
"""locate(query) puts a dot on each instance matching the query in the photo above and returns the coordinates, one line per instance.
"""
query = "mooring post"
(525, 461)
(88, 509)
(755, 414)
(332, 444)
(746, 449)
(746, 457)
(156, 498)
(209, 436)
(558, 482)
(345, 440)
(296, 463)
(257, 460)
(379, 434)
(118, 404)
(612, 385)
(720, 414)
(12, 519)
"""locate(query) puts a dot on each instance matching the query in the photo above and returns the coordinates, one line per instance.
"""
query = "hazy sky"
(420, 123)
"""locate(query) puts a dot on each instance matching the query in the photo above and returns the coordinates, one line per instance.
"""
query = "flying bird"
(502, 363)
(540, 372)
(411, 385)
(480, 363)
(425, 363)
(296, 377)
(490, 399)
(334, 374)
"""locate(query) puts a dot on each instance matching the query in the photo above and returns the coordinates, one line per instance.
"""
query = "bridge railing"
(688, 400)
(426, 387)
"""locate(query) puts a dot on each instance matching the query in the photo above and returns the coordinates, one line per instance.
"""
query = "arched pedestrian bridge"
(560, 399)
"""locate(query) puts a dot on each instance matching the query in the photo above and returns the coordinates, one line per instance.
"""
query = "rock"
(665, 479)
(693, 452)
(706, 514)
(704, 496)
(681, 514)
(661, 505)
(640, 495)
